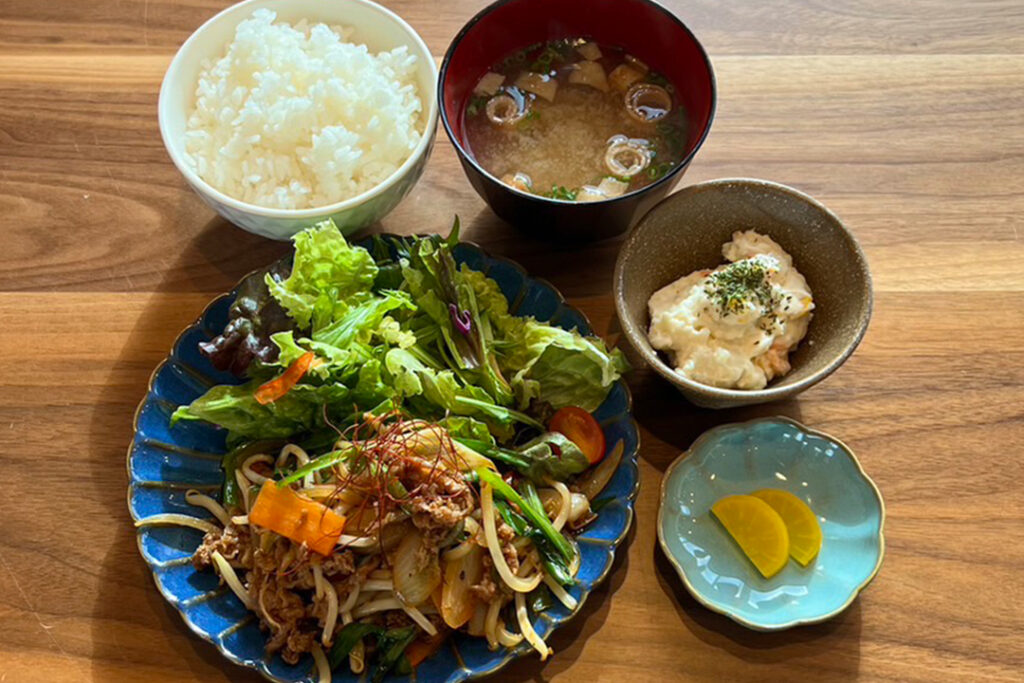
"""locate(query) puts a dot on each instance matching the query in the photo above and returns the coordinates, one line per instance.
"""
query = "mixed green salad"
(344, 331)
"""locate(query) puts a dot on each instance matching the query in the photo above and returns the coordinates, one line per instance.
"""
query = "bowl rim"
(164, 104)
(739, 396)
(722, 609)
(666, 180)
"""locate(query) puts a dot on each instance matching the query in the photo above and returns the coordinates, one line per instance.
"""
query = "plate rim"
(463, 673)
(717, 607)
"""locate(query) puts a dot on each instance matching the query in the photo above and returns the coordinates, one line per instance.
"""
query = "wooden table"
(905, 118)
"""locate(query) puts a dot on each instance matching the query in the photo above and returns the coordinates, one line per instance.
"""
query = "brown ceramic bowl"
(686, 231)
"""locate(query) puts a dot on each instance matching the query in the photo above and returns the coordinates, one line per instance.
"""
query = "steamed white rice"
(294, 117)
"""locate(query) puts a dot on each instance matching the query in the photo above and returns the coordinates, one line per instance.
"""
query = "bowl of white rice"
(283, 113)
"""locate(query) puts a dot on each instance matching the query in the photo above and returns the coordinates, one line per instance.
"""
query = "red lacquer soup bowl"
(642, 28)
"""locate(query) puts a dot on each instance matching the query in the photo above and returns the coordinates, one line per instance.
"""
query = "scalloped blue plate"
(163, 463)
(778, 453)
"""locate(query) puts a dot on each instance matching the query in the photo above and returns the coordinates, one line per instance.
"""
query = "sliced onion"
(346, 541)
(580, 505)
(593, 481)
(563, 511)
(427, 444)
(476, 624)
(612, 187)
(460, 574)
(636, 64)
(414, 583)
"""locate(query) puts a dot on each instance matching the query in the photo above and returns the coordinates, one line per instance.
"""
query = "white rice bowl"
(295, 117)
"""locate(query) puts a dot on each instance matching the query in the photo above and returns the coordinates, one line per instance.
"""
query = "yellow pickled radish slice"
(802, 525)
(757, 529)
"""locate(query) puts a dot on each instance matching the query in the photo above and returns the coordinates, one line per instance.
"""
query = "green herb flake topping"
(738, 283)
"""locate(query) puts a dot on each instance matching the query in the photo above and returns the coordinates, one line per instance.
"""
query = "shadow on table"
(559, 264)
(212, 261)
(719, 631)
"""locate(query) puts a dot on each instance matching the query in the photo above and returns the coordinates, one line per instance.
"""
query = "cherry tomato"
(582, 429)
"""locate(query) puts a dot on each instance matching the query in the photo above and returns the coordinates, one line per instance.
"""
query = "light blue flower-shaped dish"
(783, 454)
(163, 463)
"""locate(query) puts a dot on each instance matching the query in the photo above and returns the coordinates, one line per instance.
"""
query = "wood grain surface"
(906, 118)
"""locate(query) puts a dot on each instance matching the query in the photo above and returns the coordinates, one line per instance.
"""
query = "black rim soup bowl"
(643, 29)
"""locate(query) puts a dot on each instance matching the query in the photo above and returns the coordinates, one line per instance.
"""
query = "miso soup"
(576, 121)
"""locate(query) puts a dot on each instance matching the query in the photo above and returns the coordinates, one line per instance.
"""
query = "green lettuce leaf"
(234, 408)
(325, 270)
(553, 455)
(362, 317)
(441, 290)
(562, 368)
(461, 427)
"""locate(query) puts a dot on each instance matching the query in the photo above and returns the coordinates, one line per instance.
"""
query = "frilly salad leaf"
(325, 272)
(545, 362)
(442, 292)
(398, 326)
(562, 368)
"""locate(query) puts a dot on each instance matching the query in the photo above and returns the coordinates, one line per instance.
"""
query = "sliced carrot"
(281, 385)
(304, 521)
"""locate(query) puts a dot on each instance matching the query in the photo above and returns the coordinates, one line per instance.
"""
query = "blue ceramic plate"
(782, 454)
(163, 463)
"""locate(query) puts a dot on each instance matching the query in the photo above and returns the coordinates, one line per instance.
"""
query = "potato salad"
(735, 326)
